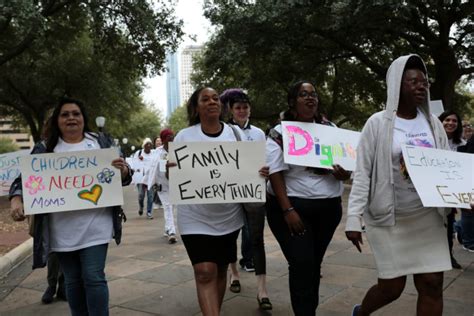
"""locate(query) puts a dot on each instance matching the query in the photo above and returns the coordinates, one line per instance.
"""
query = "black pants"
(55, 274)
(451, 220)
(255, 216)
(305, 253)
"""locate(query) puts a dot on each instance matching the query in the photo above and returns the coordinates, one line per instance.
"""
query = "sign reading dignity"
(442, 178)
(9, 169)
(70, 181)
(317, 145)
(216, 172)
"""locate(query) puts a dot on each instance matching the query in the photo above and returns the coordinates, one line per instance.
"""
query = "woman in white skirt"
(405, 237)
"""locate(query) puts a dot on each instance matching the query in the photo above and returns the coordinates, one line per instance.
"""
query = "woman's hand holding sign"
(17, 211)
(120, 164)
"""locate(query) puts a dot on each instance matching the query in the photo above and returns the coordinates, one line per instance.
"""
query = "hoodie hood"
(394, 82)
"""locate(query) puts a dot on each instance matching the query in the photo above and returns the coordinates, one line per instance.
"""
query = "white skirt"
(416, 244)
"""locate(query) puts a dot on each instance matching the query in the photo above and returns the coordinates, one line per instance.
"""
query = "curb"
(14, 257)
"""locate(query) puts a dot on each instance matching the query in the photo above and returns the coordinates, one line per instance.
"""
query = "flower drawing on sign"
(105, 176)
(34, 184)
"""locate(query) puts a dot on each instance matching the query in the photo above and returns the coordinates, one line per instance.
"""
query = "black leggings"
(305, 253)
(256, 220)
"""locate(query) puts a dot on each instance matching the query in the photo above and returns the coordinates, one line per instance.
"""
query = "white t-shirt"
(252, 133)
(76, 230)
(414, 132)
(143, 166)
(300, 181)
(208, 219)
(157, 173)
(453, 146)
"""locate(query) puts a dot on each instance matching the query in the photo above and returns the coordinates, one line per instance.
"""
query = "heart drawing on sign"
(93, 195)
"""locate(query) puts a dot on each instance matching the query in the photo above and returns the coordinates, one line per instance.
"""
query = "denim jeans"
(86, 287)
(467, 228)
(305, 253)
(142, 188)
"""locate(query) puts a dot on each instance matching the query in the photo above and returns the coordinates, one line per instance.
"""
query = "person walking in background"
(405, 237)
(157, 143)
(209, 231)
(304, 204)
(158, 180)
(452, 126)
(252, 247)
(465, 227)
(55, 281)
(466, 130)
(144, 158)
(79, 238)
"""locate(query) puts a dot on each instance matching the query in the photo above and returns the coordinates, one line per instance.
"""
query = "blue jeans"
(305, 253)
(465, 228)
(142, 188)
(86, 287)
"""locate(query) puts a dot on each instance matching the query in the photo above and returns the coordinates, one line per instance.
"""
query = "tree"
(178, 119)
(96, 51)
(344, 46)
(7, 145)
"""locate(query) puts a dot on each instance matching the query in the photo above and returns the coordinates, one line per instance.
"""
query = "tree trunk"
(447, 74)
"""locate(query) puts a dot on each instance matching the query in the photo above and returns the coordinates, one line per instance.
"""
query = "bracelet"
(288, 210)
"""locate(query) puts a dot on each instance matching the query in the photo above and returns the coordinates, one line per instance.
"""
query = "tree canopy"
(94, 50)
(344, 46)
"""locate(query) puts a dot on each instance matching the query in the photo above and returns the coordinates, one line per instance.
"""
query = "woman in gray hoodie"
(405, 237)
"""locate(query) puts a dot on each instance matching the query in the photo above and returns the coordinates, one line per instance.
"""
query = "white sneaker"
(468, 249)
(172, 238)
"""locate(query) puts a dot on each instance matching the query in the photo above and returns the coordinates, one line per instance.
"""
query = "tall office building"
(172, 83)
(187, 69)
(20, 136)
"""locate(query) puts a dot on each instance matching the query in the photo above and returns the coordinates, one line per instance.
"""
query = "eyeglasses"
(306, 94)
(425, 83)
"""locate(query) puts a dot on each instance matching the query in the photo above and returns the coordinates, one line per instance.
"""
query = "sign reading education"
(9, 169)
(442, 178)
(70, 181)
(216, 172)
(317, 145)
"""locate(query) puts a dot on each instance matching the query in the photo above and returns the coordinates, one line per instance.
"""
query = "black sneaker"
(455, 264)
(248, 266)
(48, 295)
(140, 212)
(61, 294)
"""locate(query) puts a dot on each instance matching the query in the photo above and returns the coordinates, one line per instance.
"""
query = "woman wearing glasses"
(405, 237)
(304, 204)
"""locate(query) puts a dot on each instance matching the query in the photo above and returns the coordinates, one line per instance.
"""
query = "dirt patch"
(8, 225)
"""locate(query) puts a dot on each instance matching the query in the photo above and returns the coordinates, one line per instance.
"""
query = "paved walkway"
(147, 276)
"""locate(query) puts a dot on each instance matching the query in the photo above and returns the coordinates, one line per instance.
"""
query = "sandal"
(264, 303)
(235, 286)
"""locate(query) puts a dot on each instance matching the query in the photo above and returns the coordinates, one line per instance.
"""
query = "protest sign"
(70, 181)
(9, 169)
(442, 178)
(317, 145)
(216, 172)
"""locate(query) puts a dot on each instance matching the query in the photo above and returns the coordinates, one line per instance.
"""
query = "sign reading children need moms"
(317, 145)
(442, 178)
(216, 172)
(70, 181)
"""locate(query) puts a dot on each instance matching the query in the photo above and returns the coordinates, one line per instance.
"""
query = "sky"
(190, 11)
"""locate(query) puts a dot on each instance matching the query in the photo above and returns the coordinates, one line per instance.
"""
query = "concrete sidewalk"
(147, 276)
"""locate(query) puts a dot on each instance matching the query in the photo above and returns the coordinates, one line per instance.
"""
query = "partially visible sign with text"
(216, 172)
(9, 169)
(317, 145)
(442, 178)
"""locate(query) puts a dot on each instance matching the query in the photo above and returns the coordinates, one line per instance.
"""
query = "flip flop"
(235, 286)
(264, 303)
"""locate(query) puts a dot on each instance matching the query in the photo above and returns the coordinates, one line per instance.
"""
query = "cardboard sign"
(317, 145)
(9, 169)
(70, 181)
(442, 178)
(216, 172)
